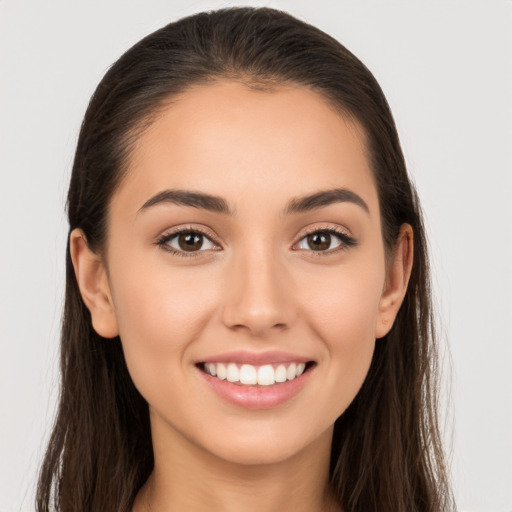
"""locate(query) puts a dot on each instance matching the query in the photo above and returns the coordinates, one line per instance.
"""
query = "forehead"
(225, 138)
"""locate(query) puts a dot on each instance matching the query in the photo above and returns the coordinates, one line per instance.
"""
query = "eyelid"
(163, 239)
(346, 239)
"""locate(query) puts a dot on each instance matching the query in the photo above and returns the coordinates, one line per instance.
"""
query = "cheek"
(159, 312)
(344, 303)
(343, 312)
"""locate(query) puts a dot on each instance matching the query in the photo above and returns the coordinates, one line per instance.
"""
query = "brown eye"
(190, 241)
(187, 242)
(320, 241)
(325, 240)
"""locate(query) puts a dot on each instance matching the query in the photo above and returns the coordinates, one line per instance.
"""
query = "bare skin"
(258, 272)
(246, 487)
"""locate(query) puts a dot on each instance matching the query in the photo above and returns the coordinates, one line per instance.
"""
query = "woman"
(247, 321)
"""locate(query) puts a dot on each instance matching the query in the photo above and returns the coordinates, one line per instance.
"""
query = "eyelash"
(346, 241)
(164, 240)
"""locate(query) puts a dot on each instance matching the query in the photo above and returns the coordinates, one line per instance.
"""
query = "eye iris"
(319, 241)
(190, 241)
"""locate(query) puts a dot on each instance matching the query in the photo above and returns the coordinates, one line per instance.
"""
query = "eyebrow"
(325, 198)
(219, 205)
(186, 198)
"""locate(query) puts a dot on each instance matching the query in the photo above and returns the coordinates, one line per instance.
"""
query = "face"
(246, 270)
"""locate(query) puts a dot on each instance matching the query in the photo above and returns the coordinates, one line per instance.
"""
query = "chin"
(267, 446)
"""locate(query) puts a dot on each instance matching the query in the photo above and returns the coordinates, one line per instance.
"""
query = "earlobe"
(93, 283)
(397, 280)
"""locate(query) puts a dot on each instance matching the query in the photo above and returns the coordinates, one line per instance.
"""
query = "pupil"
(190, 241)
(319, 241)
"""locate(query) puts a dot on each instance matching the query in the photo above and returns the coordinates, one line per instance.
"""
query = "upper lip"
(256, 358)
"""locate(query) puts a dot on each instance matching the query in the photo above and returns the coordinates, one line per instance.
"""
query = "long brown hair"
(386, 452)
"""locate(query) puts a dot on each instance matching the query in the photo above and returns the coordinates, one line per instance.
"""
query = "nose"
(258, 295)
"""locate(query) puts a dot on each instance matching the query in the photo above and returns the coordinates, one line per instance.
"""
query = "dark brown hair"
(386, 451)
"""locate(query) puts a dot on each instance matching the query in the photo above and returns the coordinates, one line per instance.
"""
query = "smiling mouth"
(254, 375)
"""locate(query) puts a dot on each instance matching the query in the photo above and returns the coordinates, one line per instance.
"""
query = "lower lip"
(256, 397)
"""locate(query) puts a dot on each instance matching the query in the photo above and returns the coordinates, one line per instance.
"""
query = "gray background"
(445, 67)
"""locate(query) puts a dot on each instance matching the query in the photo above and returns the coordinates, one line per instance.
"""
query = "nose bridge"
(258, 291)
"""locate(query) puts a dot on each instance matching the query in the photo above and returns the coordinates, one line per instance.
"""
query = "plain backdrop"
(446, 68)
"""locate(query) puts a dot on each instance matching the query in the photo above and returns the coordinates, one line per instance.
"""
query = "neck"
(185, 477)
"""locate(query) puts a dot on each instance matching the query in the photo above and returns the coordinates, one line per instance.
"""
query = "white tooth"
(221, 371)
(280, 373)
(266, 375)
(290, 374)
(233, 373)
(300, 369)
(248, 374)
(212, 370)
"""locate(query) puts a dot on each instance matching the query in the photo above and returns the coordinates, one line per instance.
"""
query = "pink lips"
(256, 397)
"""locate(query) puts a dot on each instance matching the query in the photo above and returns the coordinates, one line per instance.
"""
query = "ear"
(92, 280)
(397, 279)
